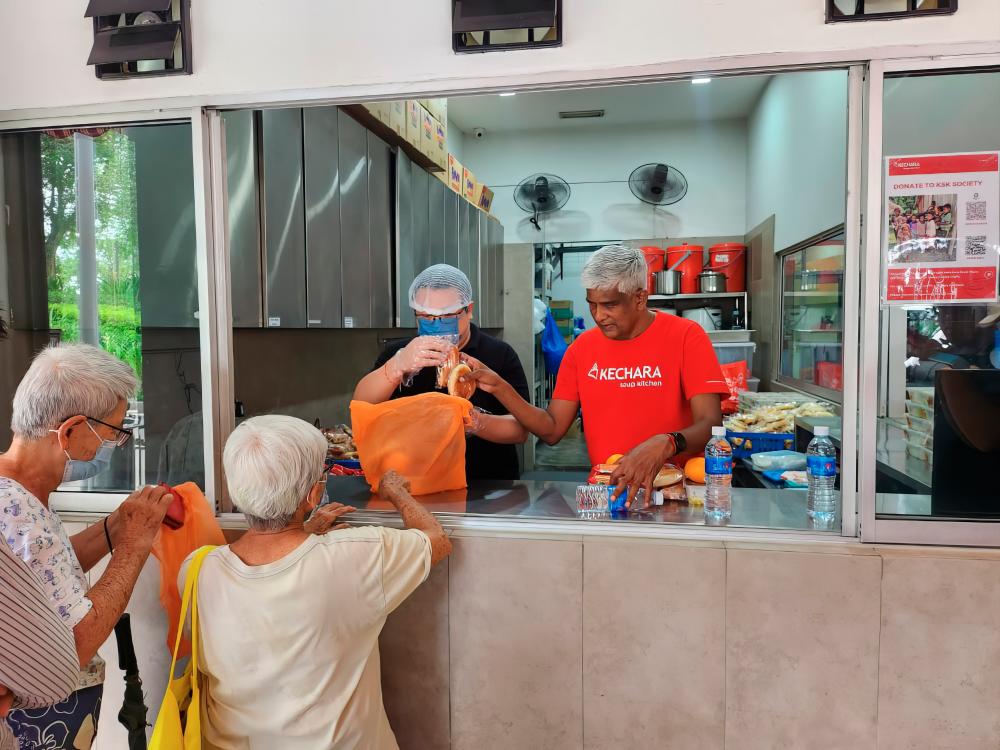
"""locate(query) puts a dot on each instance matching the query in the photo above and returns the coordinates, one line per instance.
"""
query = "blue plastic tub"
(745, 444)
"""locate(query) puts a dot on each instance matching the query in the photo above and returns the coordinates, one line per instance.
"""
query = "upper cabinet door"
(355, 225)
(284, 218)
(380, 205)
(322, 178)
(435, 218)
(243, 211)
(405, 262)
(452, 202)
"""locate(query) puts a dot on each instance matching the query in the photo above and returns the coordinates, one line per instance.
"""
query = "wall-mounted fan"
(541, 194)
(657, 184)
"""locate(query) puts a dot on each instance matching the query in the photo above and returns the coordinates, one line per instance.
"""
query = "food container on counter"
(919, 438)
(745, 444)
(921, 395)
(921, 412)
(917, 424)
(919, 452)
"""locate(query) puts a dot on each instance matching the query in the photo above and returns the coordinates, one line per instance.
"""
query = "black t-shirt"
(483, 459)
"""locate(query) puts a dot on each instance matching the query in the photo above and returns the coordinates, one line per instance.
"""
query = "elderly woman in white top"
(67, 420)
(289, 621)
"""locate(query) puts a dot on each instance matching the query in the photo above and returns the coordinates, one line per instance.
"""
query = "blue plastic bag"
(553, 345)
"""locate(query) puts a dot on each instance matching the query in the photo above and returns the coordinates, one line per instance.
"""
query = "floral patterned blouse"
(36, 535)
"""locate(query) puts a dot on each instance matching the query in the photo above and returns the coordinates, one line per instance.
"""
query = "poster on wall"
(942, 232)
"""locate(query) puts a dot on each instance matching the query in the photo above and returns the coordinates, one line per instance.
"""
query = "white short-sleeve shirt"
(290, 648)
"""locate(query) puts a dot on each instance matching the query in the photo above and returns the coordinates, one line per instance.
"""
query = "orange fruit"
(694, 470)
(614, 458)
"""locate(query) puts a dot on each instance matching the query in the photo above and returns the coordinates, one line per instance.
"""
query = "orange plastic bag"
(419, 437)
(172, 546)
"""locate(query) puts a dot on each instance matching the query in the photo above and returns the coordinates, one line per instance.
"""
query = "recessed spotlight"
(700, 81)
(509, 93)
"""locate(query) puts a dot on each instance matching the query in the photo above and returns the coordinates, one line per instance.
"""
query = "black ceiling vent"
(140, 38)
(489, 25)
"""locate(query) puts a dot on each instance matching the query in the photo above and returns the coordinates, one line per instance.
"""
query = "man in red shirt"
(649, 383)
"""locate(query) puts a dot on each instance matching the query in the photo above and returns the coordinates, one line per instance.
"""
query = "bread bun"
(461, 382)
(667, 476)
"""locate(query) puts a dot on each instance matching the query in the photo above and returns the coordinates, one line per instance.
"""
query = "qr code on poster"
(975, 212)
(975, 247)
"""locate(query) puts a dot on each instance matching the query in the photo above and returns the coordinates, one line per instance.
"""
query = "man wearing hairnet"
(441, 297)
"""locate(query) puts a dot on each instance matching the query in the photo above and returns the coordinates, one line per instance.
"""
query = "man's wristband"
(107, 535)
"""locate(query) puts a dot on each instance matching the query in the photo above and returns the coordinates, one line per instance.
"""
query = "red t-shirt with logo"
(632, 390)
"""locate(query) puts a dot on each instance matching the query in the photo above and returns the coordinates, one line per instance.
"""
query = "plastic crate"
(745, 444)
(735, 351)
(562, 313)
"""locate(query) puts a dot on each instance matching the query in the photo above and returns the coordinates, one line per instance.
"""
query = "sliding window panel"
(435, 218)
(284, 218)
(452, 203)
(355, 264)
(419, 184)
(485, 272)
(322, 177)
(380, 229)
(243, 211)
(405, 260)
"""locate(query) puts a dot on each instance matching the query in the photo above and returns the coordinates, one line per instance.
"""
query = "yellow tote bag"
(184, 692)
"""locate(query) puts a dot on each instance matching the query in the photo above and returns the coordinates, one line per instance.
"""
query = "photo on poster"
(922, 228)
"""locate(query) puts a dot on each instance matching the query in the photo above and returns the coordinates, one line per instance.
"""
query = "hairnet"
(441, 276)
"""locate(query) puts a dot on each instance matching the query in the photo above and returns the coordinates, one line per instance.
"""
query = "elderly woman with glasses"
(67, 420)
(289, 620)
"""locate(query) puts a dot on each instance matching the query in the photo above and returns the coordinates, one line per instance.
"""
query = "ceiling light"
(699, 81)
(509, 93)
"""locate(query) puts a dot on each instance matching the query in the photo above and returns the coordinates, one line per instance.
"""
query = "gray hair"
(616, 267)
(271, 463)
(67, 380)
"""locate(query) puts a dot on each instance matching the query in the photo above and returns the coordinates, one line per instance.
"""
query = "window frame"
(834, 15)
(896, 530)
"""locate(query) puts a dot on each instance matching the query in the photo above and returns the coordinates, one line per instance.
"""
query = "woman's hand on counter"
(327, 518)
(637, 469)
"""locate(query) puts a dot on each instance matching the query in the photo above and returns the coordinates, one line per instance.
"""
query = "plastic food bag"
(172, 546)
(778, 460)
(736, 374)
(420, 437)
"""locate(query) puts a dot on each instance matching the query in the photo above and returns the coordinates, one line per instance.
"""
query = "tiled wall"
(544, 643)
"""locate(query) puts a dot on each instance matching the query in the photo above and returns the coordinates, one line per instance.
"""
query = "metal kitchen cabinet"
(452, 201)
(405, 261)
(355, 226)
(320, 132)
(484, 295)
(243, 211)
(380, 203)
(464, 236)
(495, 235)
(475, 219)
(420, 201)
(435, 219)
(284, 218)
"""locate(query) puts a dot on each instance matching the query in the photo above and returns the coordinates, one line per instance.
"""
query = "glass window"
(812, 324)
(101, 249)
(939, 379)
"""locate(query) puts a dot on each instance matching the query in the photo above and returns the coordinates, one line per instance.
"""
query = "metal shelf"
(716, 295)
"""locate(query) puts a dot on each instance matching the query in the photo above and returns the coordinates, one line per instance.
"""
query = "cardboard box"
(427, 145)
(443, 176)
(455, 173)
(378, 110)
(397, 117)
(441, 144)
(469, 185)
(561, 304)
(484, 197)
(437, 107)
(414, 123)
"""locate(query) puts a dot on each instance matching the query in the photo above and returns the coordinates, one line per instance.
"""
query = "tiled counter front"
(521, 643)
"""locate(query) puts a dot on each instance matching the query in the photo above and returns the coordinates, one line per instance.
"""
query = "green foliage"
(119, 330)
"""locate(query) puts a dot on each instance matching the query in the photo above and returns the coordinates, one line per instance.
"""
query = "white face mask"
(77, 469)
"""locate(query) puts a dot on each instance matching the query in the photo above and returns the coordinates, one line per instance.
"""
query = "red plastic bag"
(420, 437)
(736, 374)
(172, 546)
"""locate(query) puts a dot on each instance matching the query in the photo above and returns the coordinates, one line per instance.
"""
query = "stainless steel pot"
(712, 282)
(667, 282)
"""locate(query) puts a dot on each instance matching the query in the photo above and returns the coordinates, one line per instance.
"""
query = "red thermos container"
(731, 259)
(690, 268)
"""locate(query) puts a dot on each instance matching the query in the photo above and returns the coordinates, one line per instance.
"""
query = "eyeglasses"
(424, 316)
(123, 434)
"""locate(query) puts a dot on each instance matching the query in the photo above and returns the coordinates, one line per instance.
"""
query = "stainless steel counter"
(556, 501)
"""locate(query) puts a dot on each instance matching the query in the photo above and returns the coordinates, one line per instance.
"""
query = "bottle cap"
(821, 431)
(718, 431)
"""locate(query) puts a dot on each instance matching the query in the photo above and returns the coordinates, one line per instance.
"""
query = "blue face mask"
(444, 327)
(77, 469)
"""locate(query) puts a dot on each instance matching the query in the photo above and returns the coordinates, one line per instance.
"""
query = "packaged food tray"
(918, 410)
(918, 452)
(916, 424)
(922, 395)
(745, 444)
(919, 438)
(750, 400)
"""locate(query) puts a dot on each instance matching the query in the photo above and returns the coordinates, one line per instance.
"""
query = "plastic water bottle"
(718, 478)
(594, 500)
(821, 471)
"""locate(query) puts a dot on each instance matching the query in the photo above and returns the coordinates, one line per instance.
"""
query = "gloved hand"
(423, 351)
